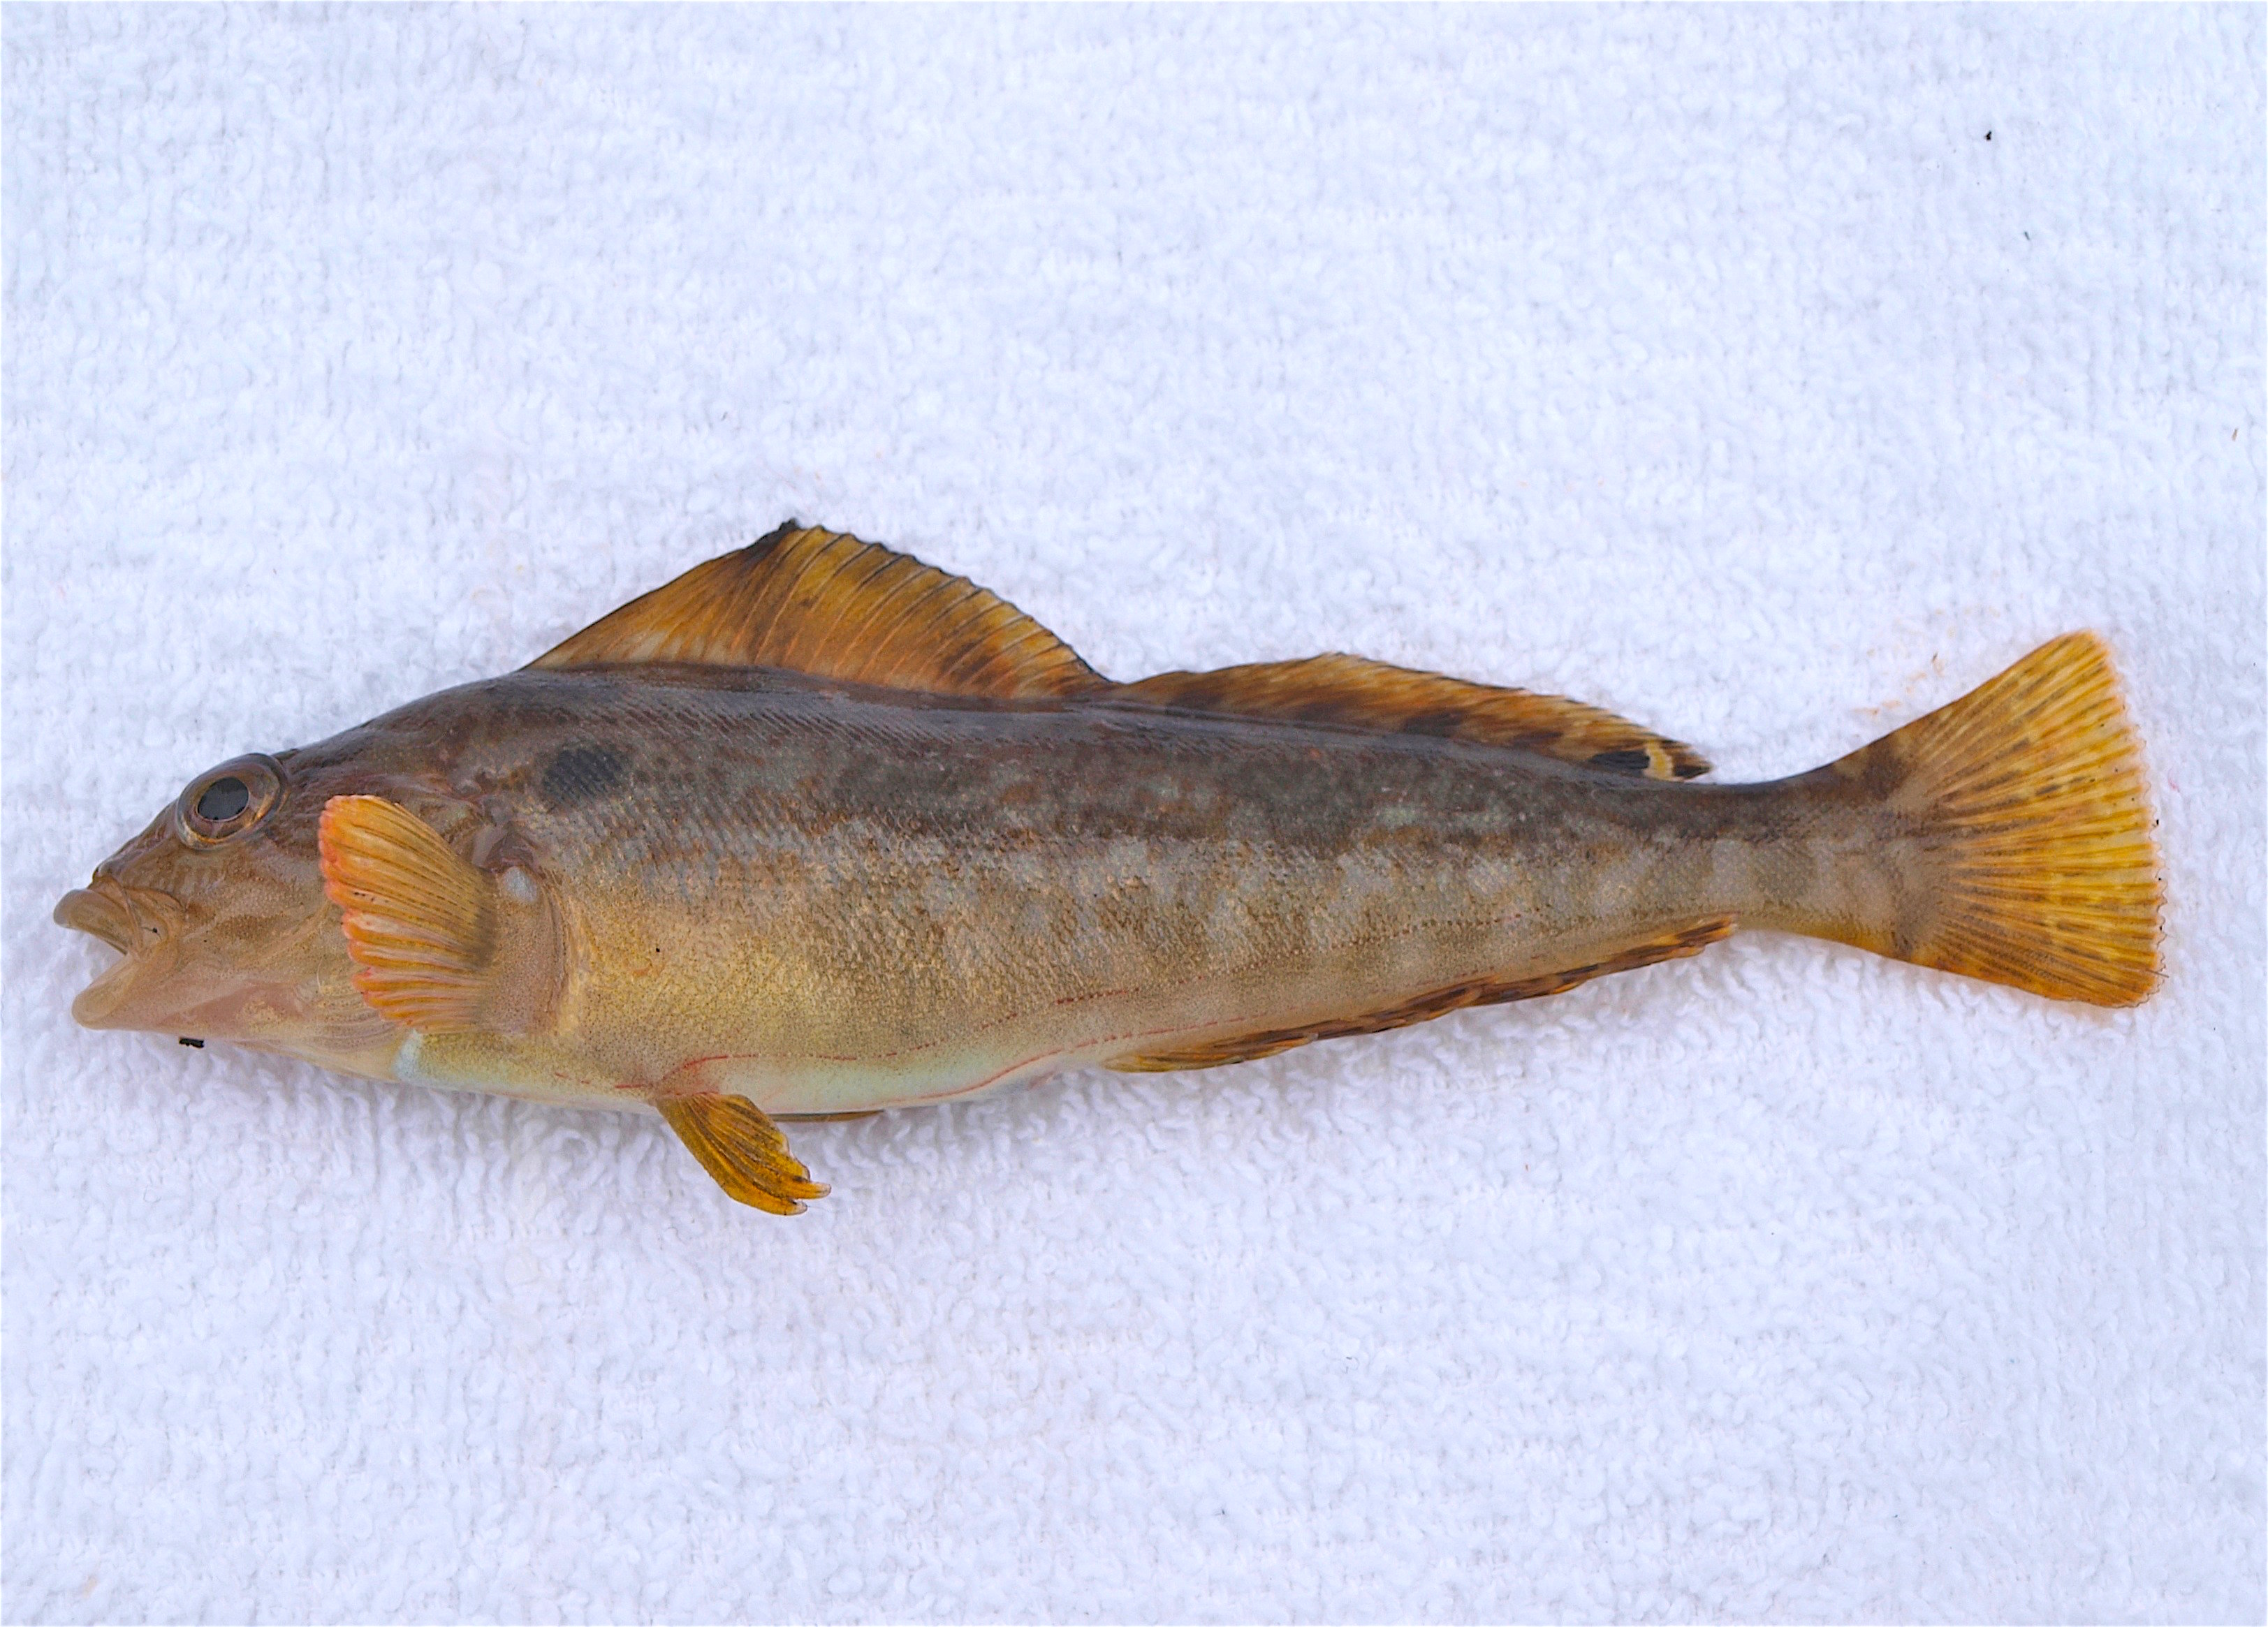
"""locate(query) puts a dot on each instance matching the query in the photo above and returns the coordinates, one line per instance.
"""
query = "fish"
(816, 830)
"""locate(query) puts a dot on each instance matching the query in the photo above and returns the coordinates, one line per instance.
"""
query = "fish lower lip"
(100, 1003)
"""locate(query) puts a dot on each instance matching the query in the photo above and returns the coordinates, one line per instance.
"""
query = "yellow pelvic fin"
(421, 923)
(1357, 694)
(2030, 827)
(823, 602)
(1440, 1002)
(740, 1145)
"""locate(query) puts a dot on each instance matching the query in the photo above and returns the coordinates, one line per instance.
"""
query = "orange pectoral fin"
(739, 1145)
(438, 945)
(420, 922)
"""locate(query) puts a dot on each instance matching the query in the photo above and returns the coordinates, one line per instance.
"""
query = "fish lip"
(101, 911)
(98, 1004)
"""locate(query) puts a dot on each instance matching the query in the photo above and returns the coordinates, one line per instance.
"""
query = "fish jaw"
(159, 985)
(152, 989)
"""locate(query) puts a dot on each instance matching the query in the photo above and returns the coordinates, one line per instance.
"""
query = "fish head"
(223, 930)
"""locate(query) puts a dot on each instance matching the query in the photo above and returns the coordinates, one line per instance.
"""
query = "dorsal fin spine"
(928, 600)
(826, 603)
(770, 599)
(917, 600)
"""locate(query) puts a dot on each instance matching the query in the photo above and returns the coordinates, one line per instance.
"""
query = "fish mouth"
(139, 927)
(160, 983)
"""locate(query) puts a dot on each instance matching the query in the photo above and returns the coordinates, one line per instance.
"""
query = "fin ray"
(1439, 1002)
(1360, 694)
(824, 602)
(743, 1150)
(420, 922)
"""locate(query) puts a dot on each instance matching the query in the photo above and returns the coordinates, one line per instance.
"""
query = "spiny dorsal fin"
(1370, 694)
(738, 1144)
(421, 923)
(824, 602)
(1477, 991)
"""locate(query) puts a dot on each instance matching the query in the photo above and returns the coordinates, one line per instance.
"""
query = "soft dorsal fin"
(824, 602)
(1369, 694)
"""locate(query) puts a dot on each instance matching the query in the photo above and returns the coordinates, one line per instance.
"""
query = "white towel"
(1767, 376)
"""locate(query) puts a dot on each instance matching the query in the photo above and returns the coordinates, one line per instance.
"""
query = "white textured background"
(1714, 366)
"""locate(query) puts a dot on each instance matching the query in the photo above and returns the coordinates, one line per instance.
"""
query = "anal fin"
(1439, 1002)
(739, 1145)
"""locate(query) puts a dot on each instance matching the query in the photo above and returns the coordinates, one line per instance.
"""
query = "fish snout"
(101, 911)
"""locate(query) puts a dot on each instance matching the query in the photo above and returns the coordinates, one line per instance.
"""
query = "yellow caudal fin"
(2022, 850)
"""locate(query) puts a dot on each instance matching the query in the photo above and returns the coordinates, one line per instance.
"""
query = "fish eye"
(229, 800)
(224, 799)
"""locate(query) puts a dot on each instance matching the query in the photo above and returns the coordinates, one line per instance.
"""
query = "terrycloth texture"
(1769, 376)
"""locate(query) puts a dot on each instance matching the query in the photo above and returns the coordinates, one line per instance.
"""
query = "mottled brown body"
(817, 830)
(848, 898)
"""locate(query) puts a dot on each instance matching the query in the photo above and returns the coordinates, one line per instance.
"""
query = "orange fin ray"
(739, 1145)
(2036, 866)
(823, 602)
(1358, 694)
(420, 922)
(826, 603)
(1440, 1002)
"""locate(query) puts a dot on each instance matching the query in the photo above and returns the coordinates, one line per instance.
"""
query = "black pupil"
(224, 799)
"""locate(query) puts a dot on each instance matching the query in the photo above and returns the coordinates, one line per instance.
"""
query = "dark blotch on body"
(581, 772)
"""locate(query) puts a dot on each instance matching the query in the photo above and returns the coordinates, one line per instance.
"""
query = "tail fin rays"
(2031, 824)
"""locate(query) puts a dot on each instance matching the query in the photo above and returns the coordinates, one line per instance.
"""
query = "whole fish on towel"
(817, 829)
